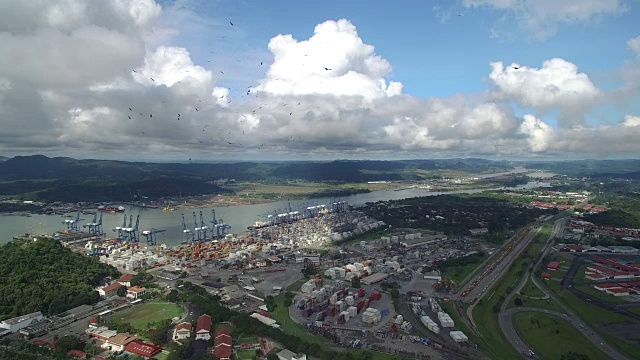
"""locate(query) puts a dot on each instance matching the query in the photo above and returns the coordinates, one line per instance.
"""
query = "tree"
(69, 342)
(270, 302)
(355, 282)
(517, 301)
(122, 291)
(272, 357)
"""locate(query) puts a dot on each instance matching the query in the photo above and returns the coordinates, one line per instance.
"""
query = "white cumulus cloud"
(539, 134)
(334, 61)
(556, 85)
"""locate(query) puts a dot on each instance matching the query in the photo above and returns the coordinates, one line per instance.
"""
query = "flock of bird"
(253, 112)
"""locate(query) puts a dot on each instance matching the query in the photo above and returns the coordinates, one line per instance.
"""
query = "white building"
(182, 331)
(20, 322)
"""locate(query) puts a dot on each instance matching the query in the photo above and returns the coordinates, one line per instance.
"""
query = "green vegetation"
(551, 337)
(457, 269)
(616, 218)
(486, 310)
(44, 276)
(635, 310)
(142, 315)
(64, 179)
(455, 215)
(531, 290)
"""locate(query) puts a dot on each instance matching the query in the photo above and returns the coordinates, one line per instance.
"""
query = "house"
(222, 344)
(118, 342)
(142, 348)
(45, 343)
(203, 328)
(136, 292)
(110, 290)
(554, 265)
(546, 276)
(125, 279)
(77, 354)
(182, 331)
(19, 322)
(290, 355)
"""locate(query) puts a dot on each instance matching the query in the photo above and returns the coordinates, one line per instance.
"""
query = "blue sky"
(432, 55)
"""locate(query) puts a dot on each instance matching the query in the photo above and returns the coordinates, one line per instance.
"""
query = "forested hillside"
(45, 276)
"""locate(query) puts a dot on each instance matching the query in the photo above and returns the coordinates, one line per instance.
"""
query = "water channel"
(239, 217)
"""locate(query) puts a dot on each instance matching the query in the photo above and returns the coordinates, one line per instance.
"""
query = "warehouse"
(375, 278)
(20, 322)
(458, 336)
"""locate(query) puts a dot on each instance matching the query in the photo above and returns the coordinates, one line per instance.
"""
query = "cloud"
(539, 134)
(557, 85)
(634, 44)
(541, 17)
(334, 60)
(102, 101)
(631, 121)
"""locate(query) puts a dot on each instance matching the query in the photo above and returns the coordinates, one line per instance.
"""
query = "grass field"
(459, 273)
(550, 337)
(140, 316)
(530, 289)
(635, 310)
(245, 355)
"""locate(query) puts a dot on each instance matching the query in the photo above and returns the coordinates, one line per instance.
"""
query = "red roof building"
(222, 344)
(546, 276)
(203, 328)
(50, 343)
(554, 265)
(77, 354)
(263, 313)
(142, 348)
(617, 291)
(110, 290)
(125, 279)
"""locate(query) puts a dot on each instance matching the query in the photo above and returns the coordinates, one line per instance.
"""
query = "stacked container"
(445, 320)
(430, 324)
(353, 311)
(371, 316)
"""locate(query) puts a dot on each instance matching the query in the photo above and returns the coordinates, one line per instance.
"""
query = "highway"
(480, 290)
(505, 318)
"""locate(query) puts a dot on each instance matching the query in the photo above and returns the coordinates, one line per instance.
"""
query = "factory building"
(19, 322)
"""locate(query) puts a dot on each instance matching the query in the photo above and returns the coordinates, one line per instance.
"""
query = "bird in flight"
(231, 23)
(221, 72)
(134, 71)
(130, 109)
(516, 67)
(260, 63)
(152, 79)
(326, 68)
(150, 115)
(129, 117)
(197, 109)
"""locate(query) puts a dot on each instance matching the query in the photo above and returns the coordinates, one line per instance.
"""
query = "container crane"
(196, 228)
(73, 224)
(132, 232)
(188, 235)
(150, 235)
(95, 226)
(203, 228)
(219, 227)
(120, 229)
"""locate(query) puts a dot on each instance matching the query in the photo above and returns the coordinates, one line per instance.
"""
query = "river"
(239, 217)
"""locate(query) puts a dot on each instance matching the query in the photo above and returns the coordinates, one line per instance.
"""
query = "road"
(505, 318)
(506, 323)
(479, 291)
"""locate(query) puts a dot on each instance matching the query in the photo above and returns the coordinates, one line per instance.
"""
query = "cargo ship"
(111, 209)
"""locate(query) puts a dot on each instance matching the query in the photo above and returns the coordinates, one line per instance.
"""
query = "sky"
(282, 79)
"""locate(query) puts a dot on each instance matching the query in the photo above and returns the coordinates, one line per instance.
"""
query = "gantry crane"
(196, 228)
(121, 229)
(95, 227)
(203, 228)
(188, 235)
(132, 234)
(73, 224)
(150, 235)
